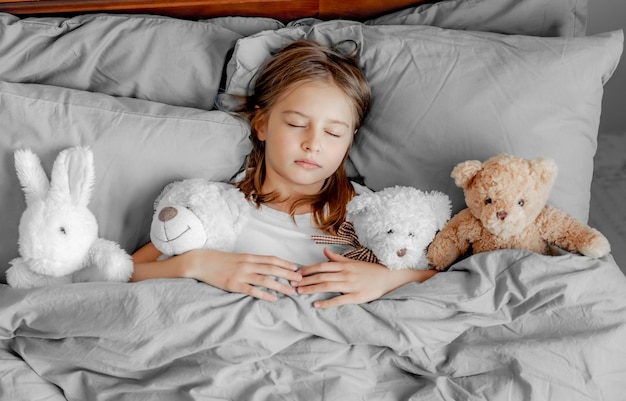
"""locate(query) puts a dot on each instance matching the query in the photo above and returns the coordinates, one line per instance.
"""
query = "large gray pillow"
(139, 146)
(518, 17)
(445, 96)
(155, 58)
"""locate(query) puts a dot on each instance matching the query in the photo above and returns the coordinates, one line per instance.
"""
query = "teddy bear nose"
(401, 252)
(167, 213)
(501, 215)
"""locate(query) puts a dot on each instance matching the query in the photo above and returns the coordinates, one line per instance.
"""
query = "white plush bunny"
(58, 234)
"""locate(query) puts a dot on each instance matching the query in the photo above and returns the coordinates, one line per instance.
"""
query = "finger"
(339, 286)
(320, 268)
(273, 261)
(272, 270)
(320, 278)
(336, 301)
(335, 257)
(271, 284)
(260, 294)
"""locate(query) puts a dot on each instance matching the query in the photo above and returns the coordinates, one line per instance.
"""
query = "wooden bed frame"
(196, 9)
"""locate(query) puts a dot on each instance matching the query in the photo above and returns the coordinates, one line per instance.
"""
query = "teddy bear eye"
(488, 201)
(390, 231)
(521, 202)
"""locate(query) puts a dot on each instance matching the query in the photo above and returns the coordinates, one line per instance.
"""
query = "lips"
(306, 163)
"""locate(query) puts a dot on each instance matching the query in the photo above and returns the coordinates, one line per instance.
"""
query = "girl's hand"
(358, 281)
(242, 273)
(229, 271)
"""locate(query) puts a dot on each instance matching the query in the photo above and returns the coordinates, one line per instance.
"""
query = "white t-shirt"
(272, 232)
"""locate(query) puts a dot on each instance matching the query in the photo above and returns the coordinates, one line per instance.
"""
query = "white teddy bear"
(197, 214)
(392, 227)
(58, 234)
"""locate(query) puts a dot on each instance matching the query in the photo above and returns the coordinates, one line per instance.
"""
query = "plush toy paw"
(106, 261)
(19, 275)
(598, 247)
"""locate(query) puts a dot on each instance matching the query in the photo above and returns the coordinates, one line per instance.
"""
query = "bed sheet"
(500, 325)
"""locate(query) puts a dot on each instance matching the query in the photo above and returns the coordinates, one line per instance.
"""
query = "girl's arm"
(233, 272)
(358, 281)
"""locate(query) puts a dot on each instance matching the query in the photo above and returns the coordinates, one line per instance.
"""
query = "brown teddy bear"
(506, 208)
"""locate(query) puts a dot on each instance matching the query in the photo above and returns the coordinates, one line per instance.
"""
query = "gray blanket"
(504, 325)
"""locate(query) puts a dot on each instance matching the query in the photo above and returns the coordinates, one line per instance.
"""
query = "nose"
(167, 213)
(312, 141)
(401, 252)
(501, 215)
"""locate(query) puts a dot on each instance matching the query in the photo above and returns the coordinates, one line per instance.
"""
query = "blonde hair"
(299, 62)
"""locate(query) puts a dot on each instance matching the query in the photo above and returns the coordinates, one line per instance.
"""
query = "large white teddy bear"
(197, 214)
(58, 235)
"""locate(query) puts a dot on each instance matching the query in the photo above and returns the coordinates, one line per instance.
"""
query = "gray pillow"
(246, 26)
(519, 17)
(139, 146)
(445, 96)
(161, 59)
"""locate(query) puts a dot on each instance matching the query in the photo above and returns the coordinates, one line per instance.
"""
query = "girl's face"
(307, 133)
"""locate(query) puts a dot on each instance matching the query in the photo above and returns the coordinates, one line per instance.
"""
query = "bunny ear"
(73, 175)
(31, 175)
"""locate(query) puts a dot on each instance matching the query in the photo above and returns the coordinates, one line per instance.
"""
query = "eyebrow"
(340, 122)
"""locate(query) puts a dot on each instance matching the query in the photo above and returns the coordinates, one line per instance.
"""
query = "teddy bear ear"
(358, 204)
(464, 172)
(545, 169)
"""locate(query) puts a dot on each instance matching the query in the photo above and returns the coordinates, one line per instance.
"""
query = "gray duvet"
(504, 325)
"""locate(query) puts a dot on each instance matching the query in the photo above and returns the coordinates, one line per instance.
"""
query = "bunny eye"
(521, 202)
(62, 230)
(390, 231)
(488, 201)
(411, 234)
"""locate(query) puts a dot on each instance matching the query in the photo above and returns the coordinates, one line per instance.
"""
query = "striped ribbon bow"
(347, 236)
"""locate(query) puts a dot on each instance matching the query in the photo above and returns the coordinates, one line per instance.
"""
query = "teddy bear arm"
(564, 231)
(453, 240)
(106, 261)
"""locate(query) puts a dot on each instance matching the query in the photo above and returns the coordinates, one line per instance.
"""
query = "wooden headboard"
(196, 9)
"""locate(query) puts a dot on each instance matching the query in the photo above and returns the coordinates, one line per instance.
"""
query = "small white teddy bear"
(398, 223)
(58, 234)
(197, 214)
